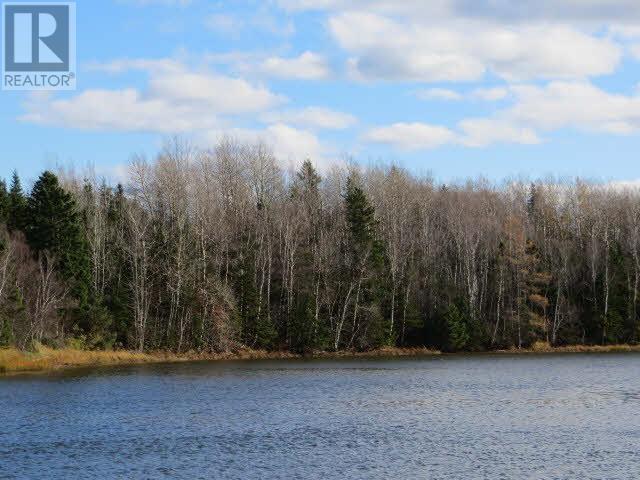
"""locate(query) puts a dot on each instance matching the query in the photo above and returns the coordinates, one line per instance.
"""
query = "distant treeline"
(213, 250)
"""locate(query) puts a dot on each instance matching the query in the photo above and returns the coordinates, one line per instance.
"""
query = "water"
(540, 417)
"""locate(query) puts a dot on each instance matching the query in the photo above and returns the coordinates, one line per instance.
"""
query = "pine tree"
(17, 205)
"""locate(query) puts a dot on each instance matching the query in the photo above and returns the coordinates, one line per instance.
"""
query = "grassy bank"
(45, 359)
(48, 359)
(544, 347)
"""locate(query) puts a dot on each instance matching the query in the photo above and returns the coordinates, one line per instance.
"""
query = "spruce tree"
(4, 202)
(116, 295)
(457, 328)
(302, 330)
(54, 226)
(16, 205)
(367, 259)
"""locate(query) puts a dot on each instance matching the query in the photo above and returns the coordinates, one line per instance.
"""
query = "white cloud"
(584, 11)
(220, 93)
(307, 66)
(635, 50)
(411, 136)
(312, 117)
(577, 105)
(175, 100)
(118, 110)
(438, 94)
(480, 132)
(392, 49)
(290, 145)
(476, 132)
(490, 94)
(631, 186)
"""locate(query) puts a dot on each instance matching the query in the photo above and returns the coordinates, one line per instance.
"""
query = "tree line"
(221, 249)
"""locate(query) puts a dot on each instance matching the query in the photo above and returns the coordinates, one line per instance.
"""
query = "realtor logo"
(38, 46)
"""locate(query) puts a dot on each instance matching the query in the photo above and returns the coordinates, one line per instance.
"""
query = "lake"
(461, 417)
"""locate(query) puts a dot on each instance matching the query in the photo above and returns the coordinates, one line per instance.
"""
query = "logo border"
(72, 48)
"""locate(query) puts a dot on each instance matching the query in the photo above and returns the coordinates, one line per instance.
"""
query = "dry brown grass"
(46, 359)
(545, 347)
(13, 360)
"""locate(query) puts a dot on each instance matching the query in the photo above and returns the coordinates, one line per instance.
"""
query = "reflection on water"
(572, 416)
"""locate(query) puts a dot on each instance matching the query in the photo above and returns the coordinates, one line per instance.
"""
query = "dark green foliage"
(362, 225)
(615, 328)
(4, 202)
(16, 205)
(54, 226)
(367, 266)
(13, 313)
(457, 323)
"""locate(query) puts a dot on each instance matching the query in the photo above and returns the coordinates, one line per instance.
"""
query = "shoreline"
(13, 361)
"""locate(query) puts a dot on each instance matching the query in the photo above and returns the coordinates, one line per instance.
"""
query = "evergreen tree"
(16, 205)
(4, 202)
(306, 185)
(457, 328)
(367, 265)
(302, 330)
(116, 295)
(55, 226)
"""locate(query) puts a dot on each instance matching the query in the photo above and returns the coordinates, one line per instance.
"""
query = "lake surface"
(462, 417)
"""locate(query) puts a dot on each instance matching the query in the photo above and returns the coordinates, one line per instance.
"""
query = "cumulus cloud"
(312, 117)
(175, 100)
(290, 145)
(220, 93)
(390, 49)
(118, 110)
(575, 105)
(205, 105)
(583, 11)
(307, 66)
(480, 132)
(411, 136)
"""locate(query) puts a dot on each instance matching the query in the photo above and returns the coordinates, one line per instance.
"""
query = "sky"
(455, 88)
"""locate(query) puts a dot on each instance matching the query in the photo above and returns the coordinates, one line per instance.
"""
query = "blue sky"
(458, 88)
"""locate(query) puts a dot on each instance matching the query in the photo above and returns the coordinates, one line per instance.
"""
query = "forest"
(214, 250)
